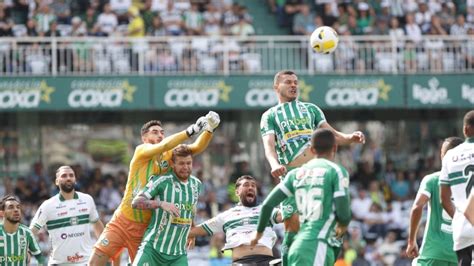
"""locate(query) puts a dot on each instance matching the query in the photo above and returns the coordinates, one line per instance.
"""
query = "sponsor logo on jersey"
(73, 221)
(60, 214)
(184, 206)
(11, 258)
(24, 94)
(433, 94)
(188, 93)
(71, 235)
(84, 210)
(75, 258)
(100, 93)
(181, 221)
(296, 135)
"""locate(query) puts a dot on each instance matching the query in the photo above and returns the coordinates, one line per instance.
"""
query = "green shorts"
(288, 206)
(151, 257)
(311, 252)
(432, 262)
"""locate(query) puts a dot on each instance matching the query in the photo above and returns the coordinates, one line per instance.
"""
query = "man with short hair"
(438, 237)
(152, 157)
(238, 224)
(16, 240)
(286, 132)
(67, 217)
(165, 239)
(320, 188)
(456, 180)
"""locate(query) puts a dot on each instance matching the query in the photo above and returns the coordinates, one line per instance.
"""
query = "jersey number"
(309, 203)
(470, 179)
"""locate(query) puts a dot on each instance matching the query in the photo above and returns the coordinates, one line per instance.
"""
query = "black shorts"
(253, 260)
(465, 256)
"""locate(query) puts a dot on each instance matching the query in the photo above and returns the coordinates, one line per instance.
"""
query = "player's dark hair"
(8, 198)
(149, 124)
(453, 142)
(281, 73)
(63, 167)
(323, 140)
(244, 177)
(181, 150)
(469, 119)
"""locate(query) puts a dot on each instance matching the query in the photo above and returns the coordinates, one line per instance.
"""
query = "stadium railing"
(228, 55)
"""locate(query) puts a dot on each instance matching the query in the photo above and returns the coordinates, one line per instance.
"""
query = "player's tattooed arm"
(142, 203)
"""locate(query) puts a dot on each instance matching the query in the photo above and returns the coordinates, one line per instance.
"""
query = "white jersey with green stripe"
(458, 172)
(292, 124)
(438, 235)
(14, 248)
(315, 185)
(165, 233)
(68, 224)
(238, 224)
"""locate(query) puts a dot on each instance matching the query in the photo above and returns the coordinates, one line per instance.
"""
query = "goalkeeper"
(128, 225)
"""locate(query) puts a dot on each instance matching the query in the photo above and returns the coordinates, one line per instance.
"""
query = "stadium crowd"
(408, 19)
(383, 186)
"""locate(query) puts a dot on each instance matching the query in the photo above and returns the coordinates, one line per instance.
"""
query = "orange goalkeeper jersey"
(153, 159)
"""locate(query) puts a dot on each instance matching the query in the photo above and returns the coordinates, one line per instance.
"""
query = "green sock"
(285, 246)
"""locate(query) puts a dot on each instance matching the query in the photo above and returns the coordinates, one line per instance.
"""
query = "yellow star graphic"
(225, 90)
(46, 91)
(384, 89)
(129, 91)
(305, 89)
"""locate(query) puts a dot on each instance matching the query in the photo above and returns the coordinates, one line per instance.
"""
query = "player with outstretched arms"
(128, 225)
(456, 180)
(320, 188)
(67, 217)
(286, 132)
(239, 223)
(437, 247)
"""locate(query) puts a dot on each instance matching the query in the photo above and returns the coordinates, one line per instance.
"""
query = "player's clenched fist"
(197, 127)
(213, 121)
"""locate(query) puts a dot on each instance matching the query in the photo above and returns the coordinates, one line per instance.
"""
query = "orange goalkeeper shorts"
(121, 233)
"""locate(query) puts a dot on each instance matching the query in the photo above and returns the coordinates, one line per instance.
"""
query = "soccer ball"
(324, 40)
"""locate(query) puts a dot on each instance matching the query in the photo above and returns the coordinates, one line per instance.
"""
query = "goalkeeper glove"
(196, 127)
(213, 121)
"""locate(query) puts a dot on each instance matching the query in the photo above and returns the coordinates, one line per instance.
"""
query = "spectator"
(31, 28)
(147, 14)
(212, 18)
(381, 27)
(157, 28)
(365, 21)
(460, 27)
(90, 19)
(62, 11)
(400, 187)
(136, 27)
(120, 7)
(53, 30)
(107, 20)
(243, 28)
(423, 17)
(193, 21)
(172, 20)
(44, 19)
(412, 29)
(389, 249)
(447, 15)
(78, 27)
(230, 17)
(303, 22)
(6, 24)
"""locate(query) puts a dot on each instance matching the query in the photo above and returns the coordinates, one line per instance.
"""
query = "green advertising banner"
(256, 92)
(78, 93)
(440, 91)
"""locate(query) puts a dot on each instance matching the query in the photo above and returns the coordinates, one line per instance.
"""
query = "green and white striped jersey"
(315, 185)
(458, 172)
(168, 234)
(292, 123)
(438, 236)
(238, 224)
(14, 247)
(68, 224)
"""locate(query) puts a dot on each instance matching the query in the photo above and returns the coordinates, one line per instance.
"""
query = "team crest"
(164, 164)
(23, 242)
(176, 186)
(73, 221)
